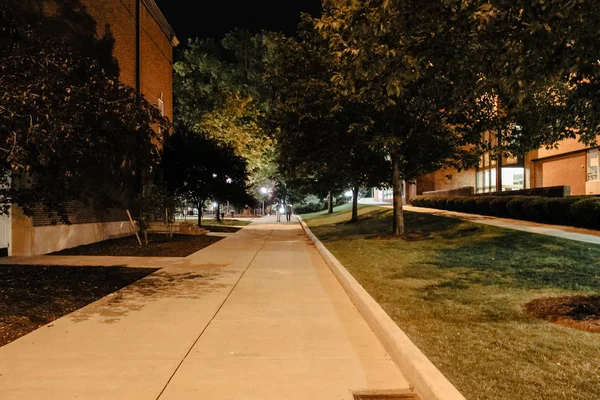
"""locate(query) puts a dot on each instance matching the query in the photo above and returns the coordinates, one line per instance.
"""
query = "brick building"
(571, 164)
(143, 45)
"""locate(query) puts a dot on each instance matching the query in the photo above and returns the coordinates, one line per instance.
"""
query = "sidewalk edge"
(428, 382)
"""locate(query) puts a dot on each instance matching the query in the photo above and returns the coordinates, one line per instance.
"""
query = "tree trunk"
(330, 205)
(398, 224)
(354, 204)
(199, 216)
(218, 212)
(499, 163)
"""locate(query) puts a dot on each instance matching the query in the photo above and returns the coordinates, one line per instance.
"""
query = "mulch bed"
(33, 296)
(221, 228)
(579, 312)
(158, 246)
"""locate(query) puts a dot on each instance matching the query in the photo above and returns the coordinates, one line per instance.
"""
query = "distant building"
(571, 164)
(143, 48)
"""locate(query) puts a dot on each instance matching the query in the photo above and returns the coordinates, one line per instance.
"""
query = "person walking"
(278, 213)
(288, 212)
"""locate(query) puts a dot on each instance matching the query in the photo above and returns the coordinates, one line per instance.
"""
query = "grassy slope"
(457, 289)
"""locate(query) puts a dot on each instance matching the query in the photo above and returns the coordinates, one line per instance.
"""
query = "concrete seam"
(214, 316)
(428, 382)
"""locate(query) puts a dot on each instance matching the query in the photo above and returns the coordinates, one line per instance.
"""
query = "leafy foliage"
(198, 169)
(69, 130)
(219, 94)
(322, 144)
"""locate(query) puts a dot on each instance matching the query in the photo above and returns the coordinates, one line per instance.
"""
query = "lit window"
(592, 165)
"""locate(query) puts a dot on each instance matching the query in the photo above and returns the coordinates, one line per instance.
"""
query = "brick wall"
(446, 179)
(79, 213)
(114, 19)
(157, 63)
(568, 170)
(117, 18)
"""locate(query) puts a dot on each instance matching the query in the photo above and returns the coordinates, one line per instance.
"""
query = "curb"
(428, 382)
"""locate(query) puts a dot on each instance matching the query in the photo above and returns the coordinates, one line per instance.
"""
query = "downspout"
(138, 48)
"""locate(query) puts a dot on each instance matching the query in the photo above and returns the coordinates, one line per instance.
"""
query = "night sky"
(212, 19)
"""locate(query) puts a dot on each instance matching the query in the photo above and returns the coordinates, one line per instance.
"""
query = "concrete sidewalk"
(258, 315)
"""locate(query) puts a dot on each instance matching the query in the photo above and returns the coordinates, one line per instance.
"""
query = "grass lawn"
(458, 289)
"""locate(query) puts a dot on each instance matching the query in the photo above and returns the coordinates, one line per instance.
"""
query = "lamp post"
(264, 191)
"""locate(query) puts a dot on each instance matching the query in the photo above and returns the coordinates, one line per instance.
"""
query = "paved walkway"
(565, 232)
(257, 315)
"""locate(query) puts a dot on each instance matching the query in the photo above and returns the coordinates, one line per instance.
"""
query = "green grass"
(457, 289)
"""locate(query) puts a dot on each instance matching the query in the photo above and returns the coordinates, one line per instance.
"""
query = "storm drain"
(385, 395)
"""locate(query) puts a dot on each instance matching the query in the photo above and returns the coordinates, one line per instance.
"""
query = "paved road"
(257, 315)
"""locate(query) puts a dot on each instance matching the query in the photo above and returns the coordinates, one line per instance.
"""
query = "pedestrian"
(288, 212)
(278, 213)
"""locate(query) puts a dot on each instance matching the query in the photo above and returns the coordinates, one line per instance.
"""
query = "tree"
(68, 129)
(321, 143)
(197, 169)
(389, 57)
(539, 58)
(219, 94)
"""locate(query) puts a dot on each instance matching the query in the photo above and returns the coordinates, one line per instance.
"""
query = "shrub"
(483, 205)
(452, 203)
(515, 206)
(533, 210)
(417, 201)
(499, 206)
(309, 208)
(469, 204)
(558, 210)
(587, 212)
(439, 202)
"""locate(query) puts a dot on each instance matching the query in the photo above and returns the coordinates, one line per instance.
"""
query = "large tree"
(198, 169)
(322, 146)
(69, 130)
(219, 94)
(390, 56)
(539, 60)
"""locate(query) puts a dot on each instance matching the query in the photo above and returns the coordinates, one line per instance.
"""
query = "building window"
(592, 165)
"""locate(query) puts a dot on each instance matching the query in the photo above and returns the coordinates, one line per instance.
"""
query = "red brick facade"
(118, 18)
(149, 71)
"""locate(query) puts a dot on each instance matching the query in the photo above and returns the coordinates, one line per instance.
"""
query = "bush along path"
(580, 211)
(503, 314)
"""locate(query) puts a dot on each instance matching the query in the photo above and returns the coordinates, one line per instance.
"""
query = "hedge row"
(309, 207)
(575, 211)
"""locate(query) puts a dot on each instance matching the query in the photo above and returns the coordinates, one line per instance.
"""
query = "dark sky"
(213, 18)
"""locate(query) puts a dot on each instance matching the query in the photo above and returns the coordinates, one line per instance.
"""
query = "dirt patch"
(579, 312)
(158, 246)
(33, 296)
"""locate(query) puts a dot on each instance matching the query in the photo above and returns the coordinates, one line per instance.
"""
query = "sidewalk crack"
(214, 315)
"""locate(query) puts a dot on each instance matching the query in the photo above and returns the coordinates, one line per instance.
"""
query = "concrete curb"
(428, 382)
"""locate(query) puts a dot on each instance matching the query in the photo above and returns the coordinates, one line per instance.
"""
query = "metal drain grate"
(385, 395)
